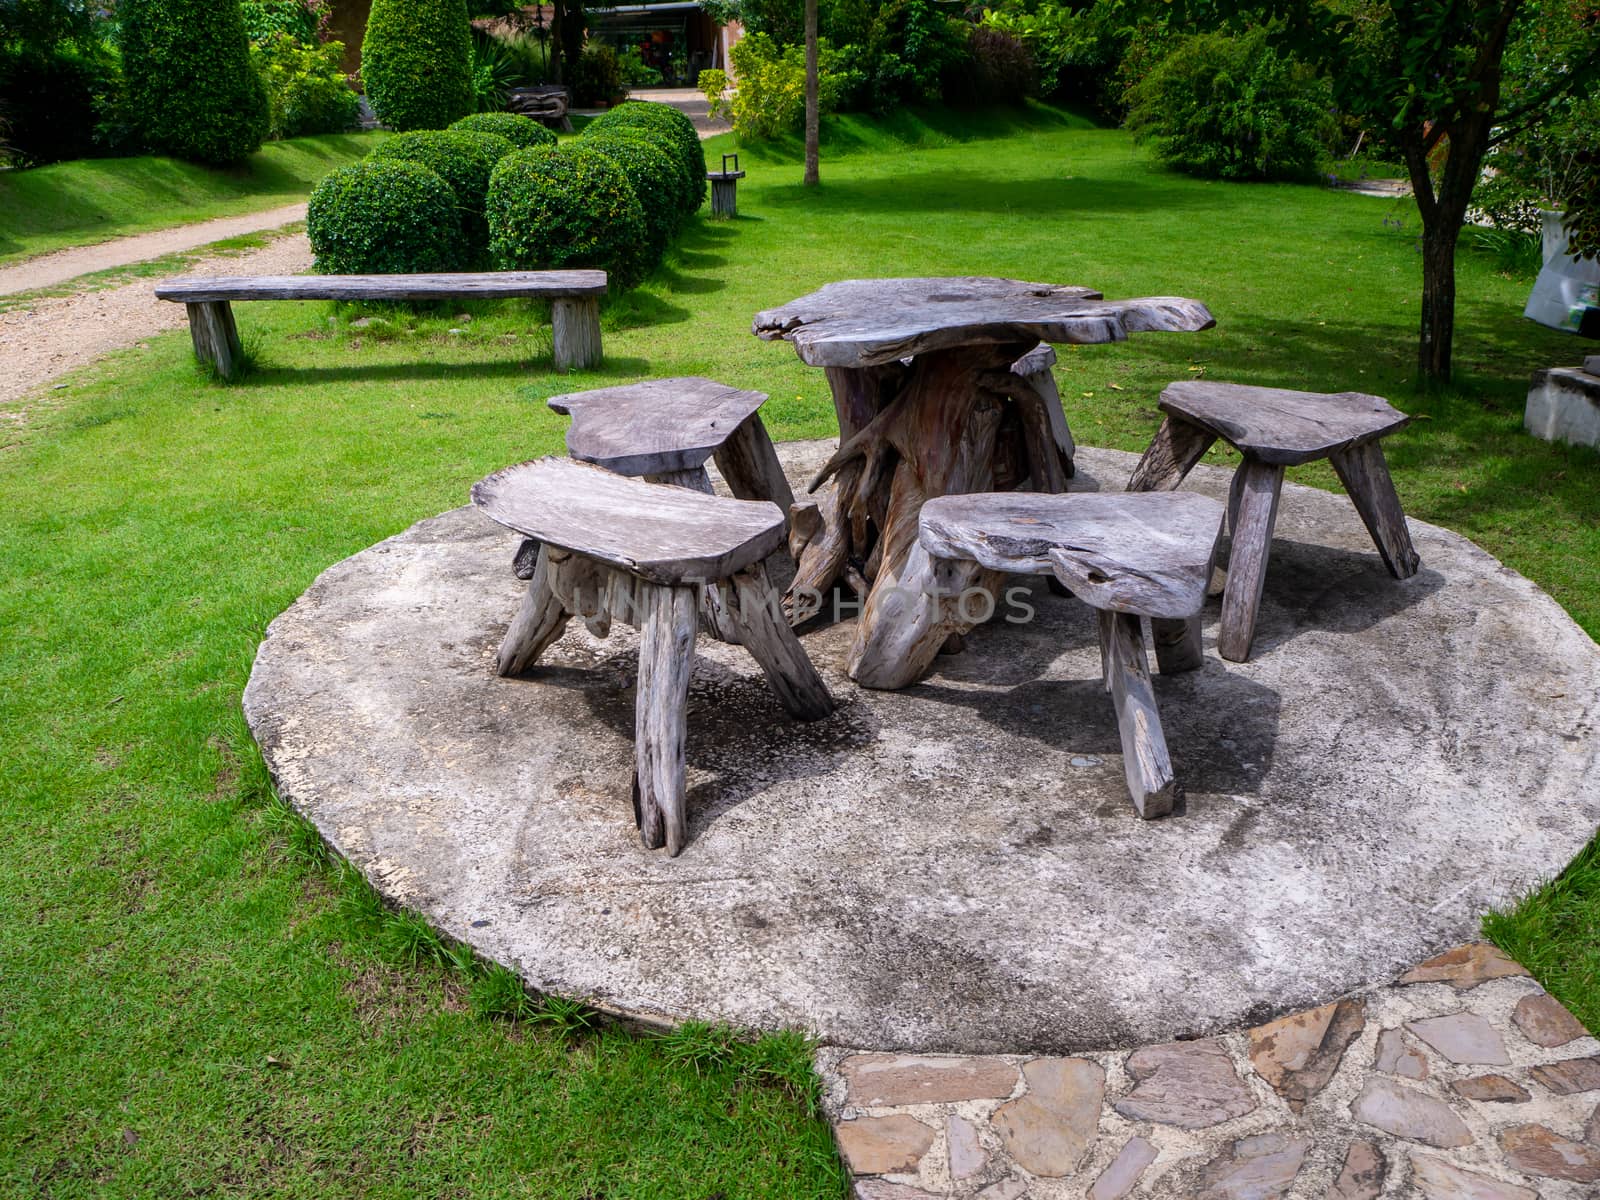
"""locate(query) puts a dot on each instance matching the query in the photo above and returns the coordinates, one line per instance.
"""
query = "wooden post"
(661, 712)
(575, 328)
(749, 463)
(1144, 747)
(215, 337)
(1178, 644)
(1365, 475)
(538, 623)
(1257, 513)
(725, 195)
(764, 632)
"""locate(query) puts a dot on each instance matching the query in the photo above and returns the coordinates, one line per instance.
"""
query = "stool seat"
(655, 427)
(1281, 426)
(1114, 550)
(1129, 555)
(664, 534)
(1275, 428)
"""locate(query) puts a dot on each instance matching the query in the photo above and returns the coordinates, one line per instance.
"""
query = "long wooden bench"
(575, 313)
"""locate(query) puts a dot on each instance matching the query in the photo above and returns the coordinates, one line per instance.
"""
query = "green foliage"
(464, 160)
(771, 95)
(522, 132)
(998, 69)
(655, 173)
(496, 69)
(265, 19)
(416, 63)
(307, 91)
(665, 124)
(189, 81)
(499, 992)
(596, 78)
(714, 86)
(910, 49)
(568, 207)
(636, 73)
(384, 218)
(57, 100)
(1226, 107)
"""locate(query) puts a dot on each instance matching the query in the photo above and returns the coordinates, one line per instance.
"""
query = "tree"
(189, 81)
(416, 63)
(813, 132)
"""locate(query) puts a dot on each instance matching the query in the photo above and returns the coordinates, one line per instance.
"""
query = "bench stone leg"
(1173, 453)
(1365, 475)
(1178, 644)
(764, 632)
(575, 328)
(215, 336)
(538, 623)
(1144, 747)
(1258, 492)
(669, 619)
(749, 463)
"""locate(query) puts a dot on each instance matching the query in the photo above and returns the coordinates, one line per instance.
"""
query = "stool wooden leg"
(1144, 747)
(538, 623)
(749, 462)
(1178, 645)
(1259, 487)
(661, 712)
(764, 632)
(1365, 475)
(1173, 453)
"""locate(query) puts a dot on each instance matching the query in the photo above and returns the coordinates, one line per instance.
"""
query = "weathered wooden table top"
(869, 322)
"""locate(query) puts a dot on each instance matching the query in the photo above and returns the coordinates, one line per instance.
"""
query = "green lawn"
(95, 199)
(192, 1002)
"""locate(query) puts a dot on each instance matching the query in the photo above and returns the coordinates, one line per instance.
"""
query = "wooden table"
(928, 405)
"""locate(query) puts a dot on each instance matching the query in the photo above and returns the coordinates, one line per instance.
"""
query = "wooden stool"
(614, 548)
(1274, 429)
(1129, 556)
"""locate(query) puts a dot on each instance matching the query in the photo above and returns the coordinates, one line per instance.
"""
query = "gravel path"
(50, 269)
(58, 334)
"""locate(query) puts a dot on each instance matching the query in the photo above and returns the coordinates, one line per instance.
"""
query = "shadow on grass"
(1065, 200)
(270, 376)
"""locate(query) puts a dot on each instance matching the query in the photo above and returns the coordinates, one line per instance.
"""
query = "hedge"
(384, 218)
(668, 125)
(522, 132)
(571, 207)
(464, 160)
(656, 176)
(416, 63)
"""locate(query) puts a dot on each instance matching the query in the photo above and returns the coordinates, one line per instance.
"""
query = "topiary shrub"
(190, 85)
(656, 176)
(384, 218)
(461, 158)
(416, 63)
(522, 132)
(571, 207)
(999, 69)
(1229, 107)
(665, 124)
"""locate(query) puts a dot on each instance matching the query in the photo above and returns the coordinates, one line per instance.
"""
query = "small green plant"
(567, 1019)
(496, 69)
(382, 218)
(408, 940)
(1515, 252)
(416, 63)
(1227, 107)
(656, 175)
(664, 123)
(714, 86)
(464, 160)
(571, 207)
(498, 991)
(302, 844)
(359, 902)
(771, 96)
(522, 132)
(190, 85)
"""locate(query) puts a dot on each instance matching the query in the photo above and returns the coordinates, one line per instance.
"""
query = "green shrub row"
(613, 199)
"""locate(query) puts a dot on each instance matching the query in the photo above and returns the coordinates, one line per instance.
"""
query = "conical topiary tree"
(416, 63)
(190, 85)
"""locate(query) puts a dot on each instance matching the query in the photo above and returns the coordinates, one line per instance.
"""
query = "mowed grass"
(95, 199)
(191, 1002)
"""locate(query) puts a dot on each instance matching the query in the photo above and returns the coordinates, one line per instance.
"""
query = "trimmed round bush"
(656, 176)
(461, 158)
(522, 132)
(189, 82)
(571, 207)
(416, 63)
(384, 218)
(669, 126)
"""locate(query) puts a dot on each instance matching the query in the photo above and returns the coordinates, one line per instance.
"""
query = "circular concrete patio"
(956, 866)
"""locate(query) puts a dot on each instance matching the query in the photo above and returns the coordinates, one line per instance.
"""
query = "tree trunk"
(1438, 300)
(813, 133)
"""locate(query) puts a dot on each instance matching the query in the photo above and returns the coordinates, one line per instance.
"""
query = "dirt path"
(50, 269)
(58, 334)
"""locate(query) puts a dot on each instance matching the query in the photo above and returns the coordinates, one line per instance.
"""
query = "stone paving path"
(1463, 1080)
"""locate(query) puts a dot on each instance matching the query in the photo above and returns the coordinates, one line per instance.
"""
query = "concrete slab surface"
(955, 867)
